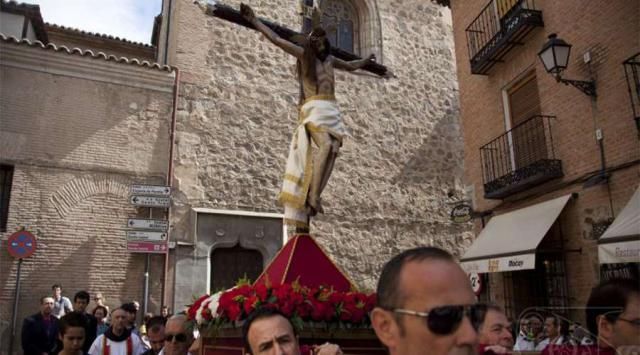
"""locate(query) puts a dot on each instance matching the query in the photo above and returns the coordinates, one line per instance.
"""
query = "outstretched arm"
(249, 15)
(354, 64)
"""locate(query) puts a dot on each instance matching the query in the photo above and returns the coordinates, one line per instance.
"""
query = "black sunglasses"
(445, 320)
(635, 322)
(180, 338)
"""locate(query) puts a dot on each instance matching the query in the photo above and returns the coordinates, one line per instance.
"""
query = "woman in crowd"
(101, 313)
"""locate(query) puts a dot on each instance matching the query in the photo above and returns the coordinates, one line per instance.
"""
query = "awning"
(509, 241)
(620, 243)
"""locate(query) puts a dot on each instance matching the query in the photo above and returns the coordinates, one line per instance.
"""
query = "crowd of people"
(425, 305)
(65, 327)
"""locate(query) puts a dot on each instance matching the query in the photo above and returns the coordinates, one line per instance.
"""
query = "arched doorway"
(230, 264)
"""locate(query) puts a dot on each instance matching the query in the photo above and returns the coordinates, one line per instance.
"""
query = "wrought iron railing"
(519, 158)
(500, 26)
(632, 74)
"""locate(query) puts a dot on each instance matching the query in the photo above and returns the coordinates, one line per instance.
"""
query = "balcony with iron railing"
(632, 75)
(501, 25)
(520, 158)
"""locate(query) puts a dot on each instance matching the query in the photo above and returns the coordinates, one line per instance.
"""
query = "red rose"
(191, 313)
(233, 312)
(250, 304)
(337, 297)
(262, 292)
(283, 291)
(304, 309)
(322, 310)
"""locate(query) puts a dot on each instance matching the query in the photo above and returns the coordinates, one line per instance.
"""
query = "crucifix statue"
(319, 121)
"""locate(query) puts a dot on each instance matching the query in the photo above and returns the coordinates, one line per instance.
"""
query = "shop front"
(525, 249)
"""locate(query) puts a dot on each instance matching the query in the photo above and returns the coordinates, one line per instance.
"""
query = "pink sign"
(147, 247)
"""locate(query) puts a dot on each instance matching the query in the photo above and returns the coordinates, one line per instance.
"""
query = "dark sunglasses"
(635, 322)
(180, 338)
(445, 320)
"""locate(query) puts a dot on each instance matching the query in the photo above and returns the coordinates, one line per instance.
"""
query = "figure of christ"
(306, 176)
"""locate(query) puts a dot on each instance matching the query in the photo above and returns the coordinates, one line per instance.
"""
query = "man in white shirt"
(117, 340)
(61, 304)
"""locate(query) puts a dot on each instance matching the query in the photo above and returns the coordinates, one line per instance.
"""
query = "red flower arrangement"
(301, 304)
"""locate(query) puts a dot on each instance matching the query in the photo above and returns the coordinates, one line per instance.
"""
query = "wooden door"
(230, 264)
(527, 131)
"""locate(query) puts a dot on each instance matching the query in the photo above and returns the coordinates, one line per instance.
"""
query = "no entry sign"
(21, 244)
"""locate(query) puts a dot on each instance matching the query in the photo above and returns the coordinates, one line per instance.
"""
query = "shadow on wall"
(31, 291)
(440, 157)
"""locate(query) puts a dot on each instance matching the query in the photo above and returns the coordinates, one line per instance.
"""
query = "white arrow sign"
(146, 235)
(152, 224)
(150, 201)
(152, 190)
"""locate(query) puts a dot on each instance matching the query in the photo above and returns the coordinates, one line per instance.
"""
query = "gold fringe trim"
(294, 179)
(295, 223)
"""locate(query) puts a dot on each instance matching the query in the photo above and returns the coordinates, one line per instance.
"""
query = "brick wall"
(606, 30)
(78, 135)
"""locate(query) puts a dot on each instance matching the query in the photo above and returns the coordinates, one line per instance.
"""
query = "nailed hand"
(247, 12)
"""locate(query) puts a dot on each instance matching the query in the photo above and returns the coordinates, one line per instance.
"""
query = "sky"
(129, 19)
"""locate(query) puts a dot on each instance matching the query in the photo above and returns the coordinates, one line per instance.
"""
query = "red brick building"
(551, 165)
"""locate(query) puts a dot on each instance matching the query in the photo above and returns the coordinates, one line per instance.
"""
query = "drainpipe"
(169, 179)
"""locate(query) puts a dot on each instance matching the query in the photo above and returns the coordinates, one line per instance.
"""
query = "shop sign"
(461, 213)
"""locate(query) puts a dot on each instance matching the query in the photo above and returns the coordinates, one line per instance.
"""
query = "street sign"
(147, 247)
(151, 224)
(146, 236)
(476, 283)
(150, 190)
(21, 244)
(150, 201)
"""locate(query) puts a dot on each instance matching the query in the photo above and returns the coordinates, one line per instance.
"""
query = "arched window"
(339, 19)
(352, 25)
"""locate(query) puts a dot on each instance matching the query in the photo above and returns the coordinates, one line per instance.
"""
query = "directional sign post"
(150, 224)
(20, 245)
(150, 236)
(150, 201)
(146, 247)
(150, 190)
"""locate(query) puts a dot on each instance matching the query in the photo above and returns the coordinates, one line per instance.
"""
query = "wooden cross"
(225, 12)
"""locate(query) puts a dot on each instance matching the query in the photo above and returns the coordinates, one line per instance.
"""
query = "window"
(339, 19)
(6, 177)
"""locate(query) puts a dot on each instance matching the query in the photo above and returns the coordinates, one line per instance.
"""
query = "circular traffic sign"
(21, 244)
(476, 283)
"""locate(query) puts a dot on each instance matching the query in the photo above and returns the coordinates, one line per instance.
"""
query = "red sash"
(106, 349)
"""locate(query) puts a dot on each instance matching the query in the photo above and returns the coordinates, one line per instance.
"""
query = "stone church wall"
(398, 172)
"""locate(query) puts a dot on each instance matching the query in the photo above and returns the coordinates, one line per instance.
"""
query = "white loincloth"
(318, 113)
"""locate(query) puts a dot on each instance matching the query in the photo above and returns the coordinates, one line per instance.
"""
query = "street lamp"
(554, 55)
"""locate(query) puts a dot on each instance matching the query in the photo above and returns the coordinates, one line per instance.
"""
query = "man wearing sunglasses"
(613, 315)
(177, 336)
(426, 305)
